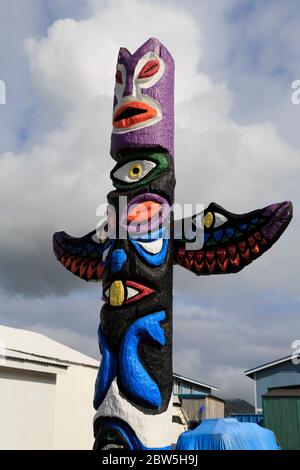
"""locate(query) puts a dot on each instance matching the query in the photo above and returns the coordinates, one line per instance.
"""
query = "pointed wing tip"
(57, 239)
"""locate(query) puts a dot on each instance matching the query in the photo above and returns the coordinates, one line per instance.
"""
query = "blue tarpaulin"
(227, 434)
(248, 418)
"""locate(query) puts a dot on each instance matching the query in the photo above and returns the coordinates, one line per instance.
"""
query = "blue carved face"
(145, 221)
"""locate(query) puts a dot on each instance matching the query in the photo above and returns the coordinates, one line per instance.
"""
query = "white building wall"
(46, 393)
(43, 407)
(74, 408)
(27, 403)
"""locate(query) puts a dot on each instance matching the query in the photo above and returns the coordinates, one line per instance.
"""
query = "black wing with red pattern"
(232, 241)
(82, 256)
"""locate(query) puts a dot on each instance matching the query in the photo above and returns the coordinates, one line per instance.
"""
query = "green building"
(281, 409)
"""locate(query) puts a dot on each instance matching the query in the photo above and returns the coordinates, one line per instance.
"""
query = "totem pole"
(134, 251)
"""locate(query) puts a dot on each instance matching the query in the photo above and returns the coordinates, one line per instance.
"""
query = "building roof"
(250, 372)
(200, 396)
(30, 346)
(11, 355)
(201, 384)
(286, 391)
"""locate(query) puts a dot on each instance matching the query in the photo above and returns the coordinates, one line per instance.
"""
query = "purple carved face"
(143, 114)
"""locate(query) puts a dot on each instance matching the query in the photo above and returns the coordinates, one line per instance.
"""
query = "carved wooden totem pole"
(134, 252)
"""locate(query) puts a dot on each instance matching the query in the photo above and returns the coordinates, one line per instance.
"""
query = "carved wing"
(232, 241)
(83, 256)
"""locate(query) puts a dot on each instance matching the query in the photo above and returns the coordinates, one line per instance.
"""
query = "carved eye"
(131, 292)
(139, 170)
(111, 436)
(119, 78)
(101, 234)
(149, 69)
(219, 220)
(134, 171)
(208, 219)
(213, 220)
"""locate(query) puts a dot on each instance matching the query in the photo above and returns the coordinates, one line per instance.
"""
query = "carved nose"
(129, 86)
(118, 259)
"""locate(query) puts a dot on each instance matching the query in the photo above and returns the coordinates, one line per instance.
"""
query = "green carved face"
(138, 170)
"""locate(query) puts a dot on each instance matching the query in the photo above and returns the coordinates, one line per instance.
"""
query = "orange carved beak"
(144, 211)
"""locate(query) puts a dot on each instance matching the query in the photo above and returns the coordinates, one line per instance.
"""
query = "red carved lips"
(133, 113)
(134, 291)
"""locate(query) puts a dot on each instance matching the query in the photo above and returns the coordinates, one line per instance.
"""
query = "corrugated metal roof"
(199, 396)
(38, 347)
(185, 379)
(267, 365)
(286, 391)
(25, 357)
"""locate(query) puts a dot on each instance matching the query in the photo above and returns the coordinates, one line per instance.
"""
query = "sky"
(236, 142)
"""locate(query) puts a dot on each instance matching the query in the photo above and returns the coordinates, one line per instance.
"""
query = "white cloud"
(69, 337)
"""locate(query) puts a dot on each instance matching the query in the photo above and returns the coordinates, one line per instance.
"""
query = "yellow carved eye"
(116, 294)
(208, 219)
(135, 171)
(214, 220)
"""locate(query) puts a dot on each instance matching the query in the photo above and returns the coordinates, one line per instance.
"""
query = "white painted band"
(151, 430)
